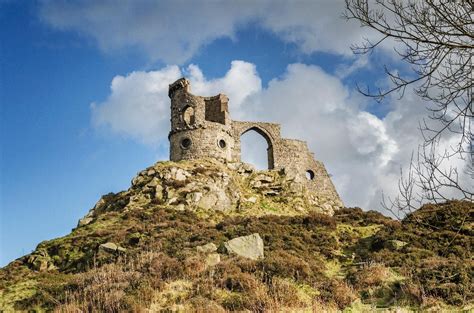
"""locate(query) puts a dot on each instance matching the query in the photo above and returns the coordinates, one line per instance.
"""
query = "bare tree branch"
(436, 38)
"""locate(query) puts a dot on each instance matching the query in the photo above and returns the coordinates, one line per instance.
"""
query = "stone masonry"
(201, 128)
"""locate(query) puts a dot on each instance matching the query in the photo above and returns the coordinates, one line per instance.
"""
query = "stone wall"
(201, 128)
(217, 109)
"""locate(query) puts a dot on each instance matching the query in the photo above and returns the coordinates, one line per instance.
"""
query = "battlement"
(181, 83)
(201, 127)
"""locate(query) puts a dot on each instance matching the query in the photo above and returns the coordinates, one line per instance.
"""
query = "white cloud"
(238, 83)
(137, 105)
(174, 31)
(363, 152)
(343, 71)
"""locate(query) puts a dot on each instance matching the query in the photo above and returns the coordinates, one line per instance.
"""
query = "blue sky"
(84, 106)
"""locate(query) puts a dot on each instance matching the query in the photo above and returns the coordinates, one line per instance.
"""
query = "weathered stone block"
(250, 247)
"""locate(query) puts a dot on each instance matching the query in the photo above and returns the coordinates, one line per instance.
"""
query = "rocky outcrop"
(210, 186)
(111, 247)
(40, 261)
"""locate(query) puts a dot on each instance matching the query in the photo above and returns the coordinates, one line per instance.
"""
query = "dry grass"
(101, 289)
(294, 275)
(370, 275)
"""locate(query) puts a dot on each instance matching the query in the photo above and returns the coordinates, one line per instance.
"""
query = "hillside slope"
(166, 244)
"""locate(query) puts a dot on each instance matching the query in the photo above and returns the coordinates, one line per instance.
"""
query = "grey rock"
(265, 179)
(395, 244)
(138, 180)
(99, 203)
(250, 247)
(159, 192)
(179, 174)
(207, 248)
(173, 200)
(245, 168)
(109, 247)
(213, 259)
(84, 221)
(194, 197)
(208, 201)
(154, 182)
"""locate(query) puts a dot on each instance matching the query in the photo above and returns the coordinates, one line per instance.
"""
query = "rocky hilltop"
(211, 237)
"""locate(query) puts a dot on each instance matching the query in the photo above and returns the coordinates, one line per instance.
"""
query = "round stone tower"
(200, 126)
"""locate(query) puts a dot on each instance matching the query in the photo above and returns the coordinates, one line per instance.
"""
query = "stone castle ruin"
(201, 127)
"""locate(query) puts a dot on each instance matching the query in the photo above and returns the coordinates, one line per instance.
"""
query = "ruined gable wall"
(299, 163)
(291, 155)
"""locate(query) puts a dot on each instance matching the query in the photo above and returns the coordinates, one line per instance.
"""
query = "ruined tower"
(201, 128)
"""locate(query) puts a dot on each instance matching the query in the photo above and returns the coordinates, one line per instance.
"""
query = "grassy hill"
(161, 246)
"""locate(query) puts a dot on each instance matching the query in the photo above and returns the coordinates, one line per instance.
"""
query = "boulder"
(250, 247)
(207, 248)
(111, 247)
(195, 196)
(213, 259)
(40, 261)
(154, 182)
(84, 221)
(180, 175)
(138, 181)
(395, 244)
(159, 192)
(177, 174)
(173, 200)
(208, 201)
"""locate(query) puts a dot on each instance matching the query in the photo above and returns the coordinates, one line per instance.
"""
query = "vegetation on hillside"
(352, 260)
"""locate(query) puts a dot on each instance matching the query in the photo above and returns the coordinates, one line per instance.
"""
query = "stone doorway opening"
(256, 149)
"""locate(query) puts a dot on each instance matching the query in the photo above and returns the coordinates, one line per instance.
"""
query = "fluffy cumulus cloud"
(364, 153)
(173, 31)
(138, 104)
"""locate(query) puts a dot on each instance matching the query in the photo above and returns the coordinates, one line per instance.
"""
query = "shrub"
(285, 293)
(283, 264)
(166, 268)
(448, 279)
(371, 275)
(319, 219)
(337, 292)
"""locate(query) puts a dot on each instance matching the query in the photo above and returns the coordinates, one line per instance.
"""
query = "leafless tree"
(436, 38)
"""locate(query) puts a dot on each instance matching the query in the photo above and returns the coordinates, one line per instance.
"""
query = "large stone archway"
(269, 131)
